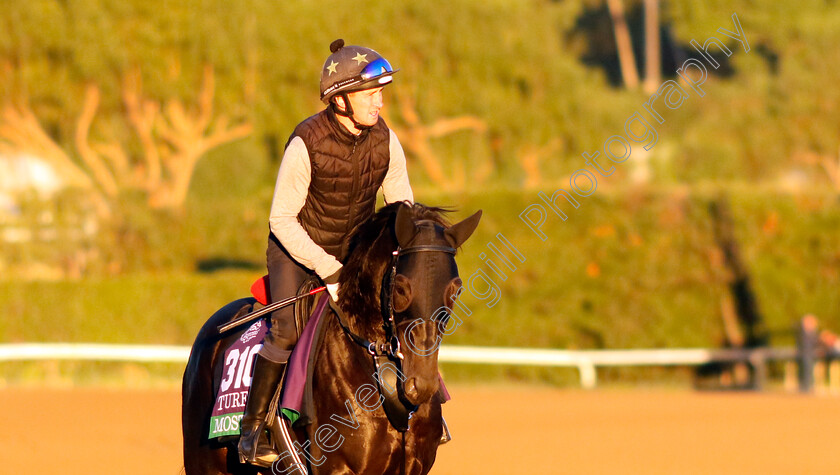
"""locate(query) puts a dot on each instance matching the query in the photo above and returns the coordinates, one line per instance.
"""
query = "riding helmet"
(353, 68)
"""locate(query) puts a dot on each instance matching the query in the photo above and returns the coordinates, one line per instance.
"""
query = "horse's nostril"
(411, 388)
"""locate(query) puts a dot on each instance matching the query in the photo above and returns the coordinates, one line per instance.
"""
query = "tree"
(623, 44)
(653, 64)
(173, 138)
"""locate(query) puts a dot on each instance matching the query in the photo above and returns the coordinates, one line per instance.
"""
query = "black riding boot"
(264, 382)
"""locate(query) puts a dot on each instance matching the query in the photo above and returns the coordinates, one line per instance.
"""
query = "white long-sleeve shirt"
(291, 191)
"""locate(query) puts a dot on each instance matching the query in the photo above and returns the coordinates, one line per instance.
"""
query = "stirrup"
(264, 460)
(445, 436)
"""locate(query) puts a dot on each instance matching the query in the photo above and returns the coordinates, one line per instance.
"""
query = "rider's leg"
(285, 277)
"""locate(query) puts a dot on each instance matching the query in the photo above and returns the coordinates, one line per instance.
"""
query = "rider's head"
(352, 82)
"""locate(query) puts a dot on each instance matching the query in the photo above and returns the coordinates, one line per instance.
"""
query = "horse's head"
(424, 287)
(399, 282)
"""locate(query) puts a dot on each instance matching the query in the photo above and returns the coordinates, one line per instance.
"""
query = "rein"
(389, 351)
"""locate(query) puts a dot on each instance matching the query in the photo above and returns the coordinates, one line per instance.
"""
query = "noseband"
(397, 408)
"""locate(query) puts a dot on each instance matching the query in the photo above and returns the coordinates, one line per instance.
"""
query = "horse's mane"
(371, 245)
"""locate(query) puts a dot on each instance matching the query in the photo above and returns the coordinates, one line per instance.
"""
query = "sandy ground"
(496, 431)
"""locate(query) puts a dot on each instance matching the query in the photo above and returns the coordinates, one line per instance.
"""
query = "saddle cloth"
(233, 387)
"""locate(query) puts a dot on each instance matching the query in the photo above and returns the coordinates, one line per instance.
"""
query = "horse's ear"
(459, 232)
(402, 293)
(404, 226)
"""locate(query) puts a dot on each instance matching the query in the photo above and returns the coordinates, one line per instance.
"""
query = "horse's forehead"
(430, 229)
(427, 223)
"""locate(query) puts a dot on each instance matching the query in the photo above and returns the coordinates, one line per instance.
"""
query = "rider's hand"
(333, 290)
(332, 285)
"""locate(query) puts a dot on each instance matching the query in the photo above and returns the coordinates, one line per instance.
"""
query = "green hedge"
(626, 270)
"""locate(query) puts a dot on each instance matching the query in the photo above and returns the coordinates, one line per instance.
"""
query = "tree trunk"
(624, 45)
(653, 64)
(746, 303)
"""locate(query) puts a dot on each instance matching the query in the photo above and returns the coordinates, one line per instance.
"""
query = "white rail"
(586, 361)
(94, 351)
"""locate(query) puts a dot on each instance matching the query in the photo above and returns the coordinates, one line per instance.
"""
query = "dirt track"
(496, 430)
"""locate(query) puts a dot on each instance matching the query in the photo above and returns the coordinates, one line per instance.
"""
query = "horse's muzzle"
(420, 390)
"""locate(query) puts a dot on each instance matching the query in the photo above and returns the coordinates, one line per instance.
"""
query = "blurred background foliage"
(536, 72)
(495, 101)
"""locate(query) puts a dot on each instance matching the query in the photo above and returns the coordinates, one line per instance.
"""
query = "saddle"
(303, 307)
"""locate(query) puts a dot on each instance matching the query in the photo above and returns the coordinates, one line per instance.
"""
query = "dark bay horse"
(376, 366)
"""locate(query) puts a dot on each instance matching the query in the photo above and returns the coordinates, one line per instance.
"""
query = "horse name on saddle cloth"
(236, 381)
(239, 357)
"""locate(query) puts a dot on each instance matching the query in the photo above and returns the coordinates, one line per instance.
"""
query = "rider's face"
(366, 105)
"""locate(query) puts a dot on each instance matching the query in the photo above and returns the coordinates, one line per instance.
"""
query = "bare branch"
(173, 140)
(530, 157)
(20, 132)
(416, 139)
(830, 165)
(188, 136)
(222, 134)
(94, 162)
(142, 114)
(205, 98)
(442, 127)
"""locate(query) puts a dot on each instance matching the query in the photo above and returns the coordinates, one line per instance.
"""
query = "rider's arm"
(289, 197)
(396, 186)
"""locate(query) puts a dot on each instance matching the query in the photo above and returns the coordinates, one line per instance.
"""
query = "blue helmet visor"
(376, 68)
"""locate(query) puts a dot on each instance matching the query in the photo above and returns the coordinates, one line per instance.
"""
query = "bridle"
(386, 297)
(389, 352)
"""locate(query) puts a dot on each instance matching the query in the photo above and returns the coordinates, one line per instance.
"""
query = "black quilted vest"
(347, 171)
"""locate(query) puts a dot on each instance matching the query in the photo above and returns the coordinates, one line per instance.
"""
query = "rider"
(333, 165)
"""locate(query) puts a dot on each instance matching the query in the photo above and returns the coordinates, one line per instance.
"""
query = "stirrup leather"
(286, 447)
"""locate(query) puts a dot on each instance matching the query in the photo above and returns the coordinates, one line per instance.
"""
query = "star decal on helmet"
(360, 58)
(332, 66)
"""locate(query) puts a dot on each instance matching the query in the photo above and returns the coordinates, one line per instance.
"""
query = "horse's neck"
(341, 365)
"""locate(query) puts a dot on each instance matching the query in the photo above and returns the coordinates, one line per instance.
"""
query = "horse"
(376, 387)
